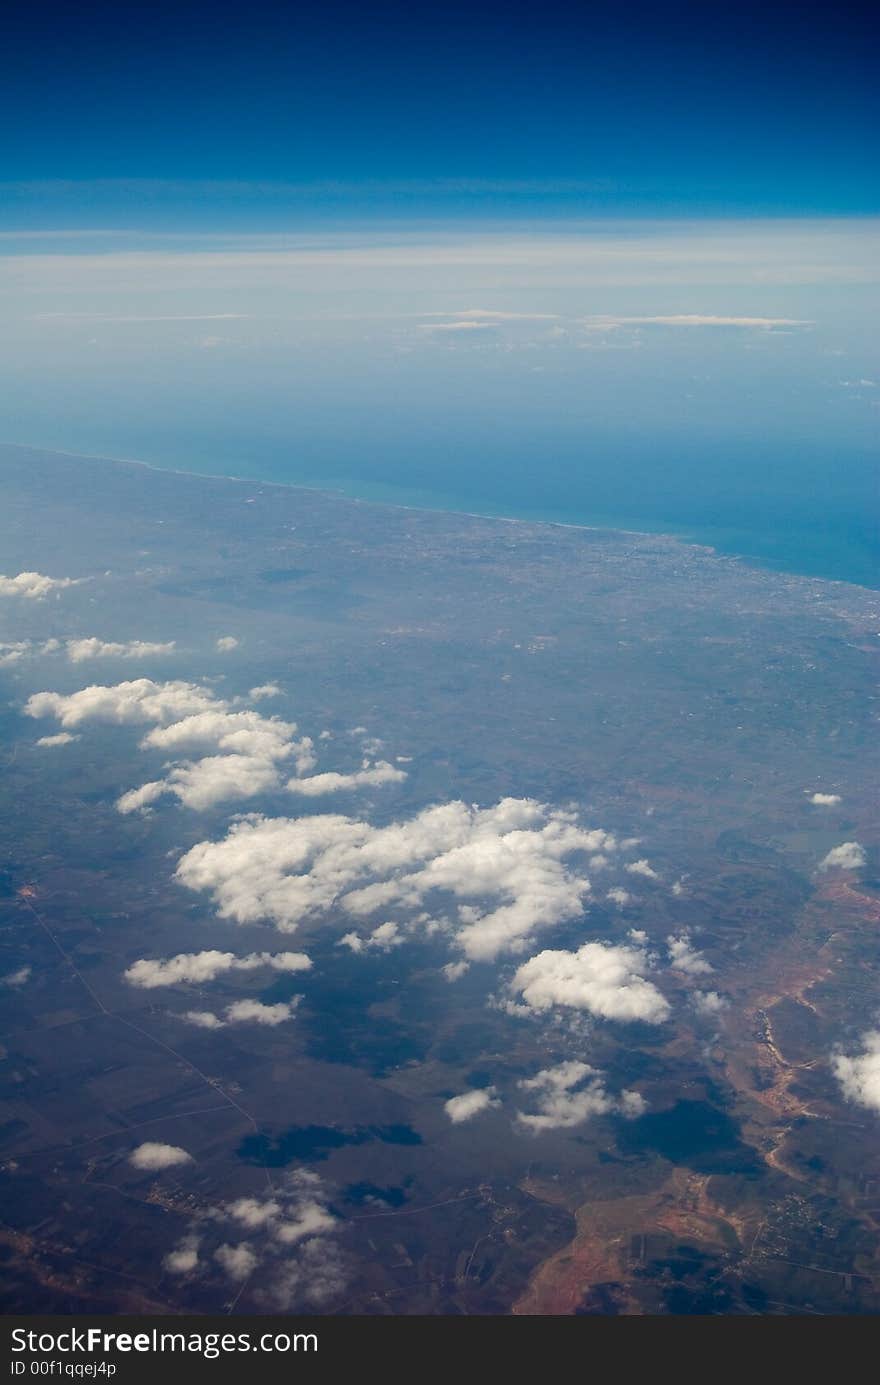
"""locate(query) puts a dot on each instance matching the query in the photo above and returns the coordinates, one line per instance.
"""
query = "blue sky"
(612, 264)
(279, 115)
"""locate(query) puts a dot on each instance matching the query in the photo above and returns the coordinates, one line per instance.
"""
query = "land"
(662, 691)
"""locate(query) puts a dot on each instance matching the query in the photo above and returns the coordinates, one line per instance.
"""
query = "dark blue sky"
(271, 114)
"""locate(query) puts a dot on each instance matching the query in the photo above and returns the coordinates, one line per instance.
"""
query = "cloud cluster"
(289, 1232)
(35, 585)
(824, 800)
(197, 968)
(859, 1076)
(469, 1104)
(153, 1155)
(572, 1092)
(847, 856)
(230, 754)
(605, 980)
(505, 868)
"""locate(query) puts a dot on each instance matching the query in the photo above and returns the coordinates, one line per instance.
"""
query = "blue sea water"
(787, 510)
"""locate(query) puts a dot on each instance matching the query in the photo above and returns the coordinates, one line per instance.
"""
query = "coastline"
(684, 539)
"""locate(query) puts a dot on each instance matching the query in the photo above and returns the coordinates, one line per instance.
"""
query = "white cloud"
(153, 1155)
(859, 1076)
(708, 1003)
(643, 868)
(470, 1104)
(693, 320)
(454, 970)
(619, 897)
(263, 691)
(138, 701)
(572, 1092)
(253, 1011)
(847, 856)
(824, 800)
(248, 747)
(137, 799)
(34, 585)
(13, 979)
(289, 1232)
(466, 326)
(80, 650)
(196, 968)
(684, 957)
(605, 980)
(202, 1019)
(239, 1261)
(184, 1259)
(505, 865)
(63, 738)
(12, 651)
(384, 937)
(493, 315)
(227, 643)
(204, 783)
(370, 775)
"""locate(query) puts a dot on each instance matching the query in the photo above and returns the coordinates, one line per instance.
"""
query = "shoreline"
(334, 492)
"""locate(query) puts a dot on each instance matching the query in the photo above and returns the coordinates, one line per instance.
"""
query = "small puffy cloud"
(605, 980)
(263, 691)
(454, 970)
(197, 968)
(252, 1212)
(369, 776)
(138, 701)
(136, 800)
(239, 1261)
(572, 1092)
(708, 1003)
(505, 869)
(13, 979)
(153, 1155)
(226, 643)
(202, 1019)
(859, 1076)
(847, 856)
(685, 958)
(619, 897)
(469, 1104)
(184, 1258)
(63, 738)
(10, 653)
(78, 651)
(384, 937)
(34, 585)
(824, 800)
(254, 1012)
(643, 868)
